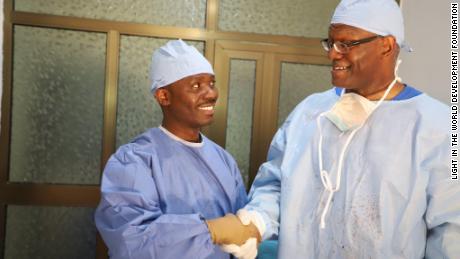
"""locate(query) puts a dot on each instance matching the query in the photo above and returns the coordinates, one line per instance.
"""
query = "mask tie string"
(325, 179)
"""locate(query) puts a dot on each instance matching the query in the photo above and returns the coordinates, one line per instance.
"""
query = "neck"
(187, 134)
(377, 94)
(397, 88)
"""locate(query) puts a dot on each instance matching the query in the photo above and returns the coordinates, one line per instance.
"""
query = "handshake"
(238, 234)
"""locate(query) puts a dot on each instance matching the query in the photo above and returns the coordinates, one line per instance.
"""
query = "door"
(259, 84)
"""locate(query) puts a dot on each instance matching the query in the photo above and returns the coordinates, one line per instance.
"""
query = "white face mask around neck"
(350, 111)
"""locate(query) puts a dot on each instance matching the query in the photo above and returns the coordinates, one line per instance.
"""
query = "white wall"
(427, 24)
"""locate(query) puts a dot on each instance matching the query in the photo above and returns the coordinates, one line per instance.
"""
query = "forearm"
(265, 198)
(142, 234)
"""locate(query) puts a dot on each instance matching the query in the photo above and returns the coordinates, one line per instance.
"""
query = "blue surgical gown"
(396, 196)
(156, 192)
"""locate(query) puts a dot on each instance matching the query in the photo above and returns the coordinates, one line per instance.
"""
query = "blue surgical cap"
(174, 61)
(382, 17)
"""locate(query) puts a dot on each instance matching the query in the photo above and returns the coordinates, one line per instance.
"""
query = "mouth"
(340, 68)
(339, 72)
(208, 109)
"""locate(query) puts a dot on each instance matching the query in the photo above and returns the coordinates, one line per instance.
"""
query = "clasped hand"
(230, 230)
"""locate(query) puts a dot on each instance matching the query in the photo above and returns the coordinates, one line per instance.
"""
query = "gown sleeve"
(131, 222)
(443, 208)
(264, 196)
(241, 196)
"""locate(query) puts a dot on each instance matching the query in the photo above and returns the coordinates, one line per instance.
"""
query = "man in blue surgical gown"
(361, 170)
(165, 194)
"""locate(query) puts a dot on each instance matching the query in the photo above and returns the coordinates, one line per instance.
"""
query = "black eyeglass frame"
(328, 45)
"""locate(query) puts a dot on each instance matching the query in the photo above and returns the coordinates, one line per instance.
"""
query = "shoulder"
(432, 106)
(313, 105)
(133, 166)
(425, 118)
(302, 118)
(433, 114)
(224, 154)
(214, 146)
(150, 137)
(317, 101)
(142, 146)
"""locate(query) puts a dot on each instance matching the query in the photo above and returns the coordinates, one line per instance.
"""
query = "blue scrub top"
(157, 191)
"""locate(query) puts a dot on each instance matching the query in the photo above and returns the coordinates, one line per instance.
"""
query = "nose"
(211, 93)
(333, 54)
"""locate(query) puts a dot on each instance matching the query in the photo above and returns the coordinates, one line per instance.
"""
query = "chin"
(205, 123)
(338, 83)
(342, 84)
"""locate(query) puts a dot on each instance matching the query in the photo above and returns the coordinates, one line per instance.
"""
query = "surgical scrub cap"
(174, 61)
(382, 17)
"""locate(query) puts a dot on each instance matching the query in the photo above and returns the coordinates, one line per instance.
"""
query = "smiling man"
(361, 170)
(166, 194)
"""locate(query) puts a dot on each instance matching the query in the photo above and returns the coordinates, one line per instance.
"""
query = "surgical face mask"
(350, 111)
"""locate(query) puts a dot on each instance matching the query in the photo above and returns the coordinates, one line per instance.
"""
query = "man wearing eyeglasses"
(361, 170)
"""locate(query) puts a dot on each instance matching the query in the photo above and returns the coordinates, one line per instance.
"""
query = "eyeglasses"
(344, 47)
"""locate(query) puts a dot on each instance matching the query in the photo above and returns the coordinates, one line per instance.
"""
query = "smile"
(339, 68)
(206, 108)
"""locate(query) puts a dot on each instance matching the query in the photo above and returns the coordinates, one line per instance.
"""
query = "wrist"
(252, 216)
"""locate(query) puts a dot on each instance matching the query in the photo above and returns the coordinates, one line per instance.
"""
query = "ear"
(163, 96)
(389, 46)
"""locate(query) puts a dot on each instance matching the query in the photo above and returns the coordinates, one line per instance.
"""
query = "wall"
(427, 30)
(1, 58)
(427, 25)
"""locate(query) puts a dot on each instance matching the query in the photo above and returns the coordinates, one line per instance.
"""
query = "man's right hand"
(230, 230)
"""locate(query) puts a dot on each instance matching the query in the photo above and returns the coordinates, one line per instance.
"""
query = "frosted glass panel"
(137, 109)
(239, 114)
(288, 17)
(299, 81)
(57, 114)
(184, 13)
(49, 233)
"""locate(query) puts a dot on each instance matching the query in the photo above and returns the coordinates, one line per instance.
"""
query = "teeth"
(206, 108)
(340, 68)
